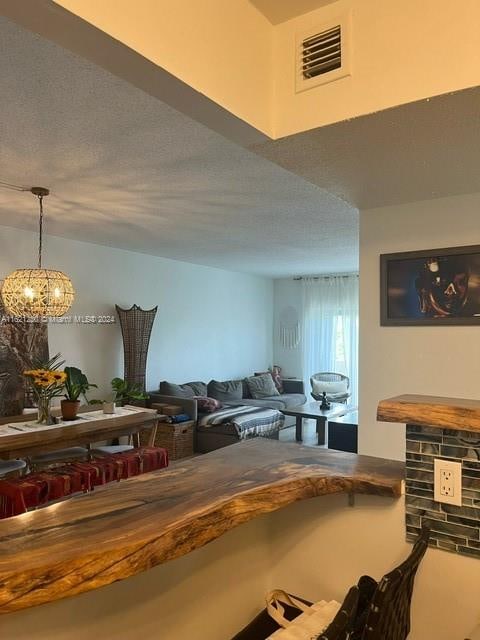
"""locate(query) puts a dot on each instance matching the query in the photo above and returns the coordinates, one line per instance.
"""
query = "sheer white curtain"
(330, 328)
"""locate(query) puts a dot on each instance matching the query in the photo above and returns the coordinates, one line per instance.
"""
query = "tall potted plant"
(76, 385)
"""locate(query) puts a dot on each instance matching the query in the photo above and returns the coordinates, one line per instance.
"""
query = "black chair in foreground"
(370, 611)
(388, 615)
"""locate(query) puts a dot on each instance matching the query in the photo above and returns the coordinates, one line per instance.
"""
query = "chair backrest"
(329, 376)
(389, 611)
(341, 626)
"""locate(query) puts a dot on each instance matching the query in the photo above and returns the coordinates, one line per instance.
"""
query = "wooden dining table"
(21, 437)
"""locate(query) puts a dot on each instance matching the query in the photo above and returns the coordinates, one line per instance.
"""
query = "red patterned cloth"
(20, 494)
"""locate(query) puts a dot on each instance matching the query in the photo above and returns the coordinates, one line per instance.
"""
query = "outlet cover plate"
(447, 481)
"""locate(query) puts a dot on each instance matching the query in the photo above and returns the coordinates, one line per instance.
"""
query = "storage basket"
(177, 439)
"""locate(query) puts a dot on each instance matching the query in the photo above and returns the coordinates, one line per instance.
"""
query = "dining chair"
(112, 449)
(58, 456)
(8, 467)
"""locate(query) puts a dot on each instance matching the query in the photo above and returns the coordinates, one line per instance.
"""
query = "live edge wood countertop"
(431, 411)
(90, 541)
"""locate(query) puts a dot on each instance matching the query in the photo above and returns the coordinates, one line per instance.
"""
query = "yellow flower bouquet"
(47, 383)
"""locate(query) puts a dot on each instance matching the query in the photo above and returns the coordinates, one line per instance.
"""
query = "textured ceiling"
(278, 11)
(417, 151)
(128, 171)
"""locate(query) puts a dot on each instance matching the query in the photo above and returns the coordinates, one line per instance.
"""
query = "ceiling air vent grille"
(322, 53)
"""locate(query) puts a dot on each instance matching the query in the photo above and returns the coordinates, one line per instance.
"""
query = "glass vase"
(44, 411)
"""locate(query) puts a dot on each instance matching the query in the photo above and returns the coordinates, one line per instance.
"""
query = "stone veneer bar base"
(453, 528)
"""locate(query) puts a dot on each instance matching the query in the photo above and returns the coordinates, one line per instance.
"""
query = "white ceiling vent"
(323, 54)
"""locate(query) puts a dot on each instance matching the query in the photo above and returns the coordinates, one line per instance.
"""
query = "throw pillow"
(177, 390)
(207, 405)
(319, 386)
(262, 386)
(276, 373)
(187, 390)
(227, 391)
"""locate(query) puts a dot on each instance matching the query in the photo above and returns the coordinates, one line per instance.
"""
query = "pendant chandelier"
(37, 292)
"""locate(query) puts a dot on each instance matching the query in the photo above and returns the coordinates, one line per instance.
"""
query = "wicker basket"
(177, 439)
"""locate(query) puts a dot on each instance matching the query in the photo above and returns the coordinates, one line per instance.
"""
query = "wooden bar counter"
(93, 540)
(431, 411)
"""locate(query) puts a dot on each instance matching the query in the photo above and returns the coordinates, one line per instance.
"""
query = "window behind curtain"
(330, 328)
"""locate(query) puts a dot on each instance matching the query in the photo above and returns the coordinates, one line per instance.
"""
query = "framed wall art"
(431, 287)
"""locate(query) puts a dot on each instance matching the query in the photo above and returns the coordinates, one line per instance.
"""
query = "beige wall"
(402, 52)
(442, 361)
(229, 52)
(222, 49)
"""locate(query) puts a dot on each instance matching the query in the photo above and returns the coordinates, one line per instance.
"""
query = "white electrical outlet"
(447, 482)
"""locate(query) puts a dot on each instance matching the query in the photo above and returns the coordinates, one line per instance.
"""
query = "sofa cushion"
(246, 390)
(262, 386)
(187, 390)
(293, 399)
(225, 391)
(199, 388)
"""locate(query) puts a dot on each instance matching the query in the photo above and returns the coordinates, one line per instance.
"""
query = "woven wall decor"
(289, 328)
(21, 344)
(136, 324)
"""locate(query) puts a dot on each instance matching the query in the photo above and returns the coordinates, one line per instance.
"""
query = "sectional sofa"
(229, 393)
(185, 395)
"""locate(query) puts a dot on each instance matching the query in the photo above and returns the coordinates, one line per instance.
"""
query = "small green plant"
(126, 392)
(76, 384)
(123, 392)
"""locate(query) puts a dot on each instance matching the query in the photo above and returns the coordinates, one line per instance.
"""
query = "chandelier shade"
(37, 292)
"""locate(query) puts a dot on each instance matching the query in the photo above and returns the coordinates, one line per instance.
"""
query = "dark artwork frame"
(397, 266)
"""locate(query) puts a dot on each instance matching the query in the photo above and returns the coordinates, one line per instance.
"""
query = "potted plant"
(76, 385)
(125, 392)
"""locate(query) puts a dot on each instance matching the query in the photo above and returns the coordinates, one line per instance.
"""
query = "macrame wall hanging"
(22, 343)
(136, 324)
(289, 328)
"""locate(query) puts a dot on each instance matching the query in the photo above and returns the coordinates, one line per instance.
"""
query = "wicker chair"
(330, 377)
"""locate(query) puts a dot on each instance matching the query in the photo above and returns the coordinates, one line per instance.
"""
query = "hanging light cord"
(40, 192)
(40, 232)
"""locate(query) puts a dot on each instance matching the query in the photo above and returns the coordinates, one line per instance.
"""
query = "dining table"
(22, 436)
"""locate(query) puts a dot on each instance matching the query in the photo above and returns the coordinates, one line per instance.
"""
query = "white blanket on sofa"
(248, 421)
